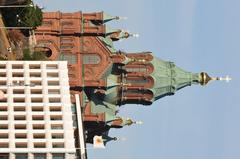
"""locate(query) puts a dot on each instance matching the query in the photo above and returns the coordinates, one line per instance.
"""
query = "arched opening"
(45, 51)
(48, 53)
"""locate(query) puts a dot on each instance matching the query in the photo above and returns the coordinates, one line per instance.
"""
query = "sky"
(198, 35)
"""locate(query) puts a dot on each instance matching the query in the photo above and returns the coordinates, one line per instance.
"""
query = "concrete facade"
(35, 115)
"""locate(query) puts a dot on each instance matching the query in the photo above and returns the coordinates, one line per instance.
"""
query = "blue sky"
(198, 35)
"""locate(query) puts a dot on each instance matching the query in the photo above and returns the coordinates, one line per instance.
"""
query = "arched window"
(47, 23)
(67, 23)
(137, 81)
(91, 59)
(136, 69)
(72, 59)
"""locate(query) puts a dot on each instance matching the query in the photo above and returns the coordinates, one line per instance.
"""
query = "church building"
(103, 77)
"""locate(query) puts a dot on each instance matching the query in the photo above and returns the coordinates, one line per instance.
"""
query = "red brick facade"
(75, 37)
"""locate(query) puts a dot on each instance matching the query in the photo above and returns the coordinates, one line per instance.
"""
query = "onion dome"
(168, 78)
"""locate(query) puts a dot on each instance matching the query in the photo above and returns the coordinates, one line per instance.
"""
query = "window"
(35, 74)
(37, 108)
(53, 83)
(67, 23)
(74, 118)
(65, 47)
(17, 74)
(52, 66)
(20, 136)
(57, 136)
(54, 100)
(58, 156)
(72, 59)
(55, 109)
(56, 117)
(34, 66)
(39, 136)
(73, 108)
(56, 127)
(2, 74)
(36, 91)
(21, 145)
(18, 91)
(136, 69)
(4, 156)
(47, 23)
(3, 83)
(17, 66)
(52, 74)
(38, 126)
(3, 126)
(19, 117)
(137, 81)
(53, 91)
(4, 145)
(2, 66)
(91, 59)
(35, 83)
(21, 156)
(37, 117)
(36, 100)
(66, 40)
(3, 136)
(3, 108)
(19, 108)
(58, 145)
(3, 117)
(20, 126)
(40, 156)
(39, 145)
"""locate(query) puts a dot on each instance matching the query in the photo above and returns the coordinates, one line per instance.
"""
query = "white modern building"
(35, 115)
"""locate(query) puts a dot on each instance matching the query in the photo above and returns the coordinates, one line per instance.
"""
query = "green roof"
(168, 78)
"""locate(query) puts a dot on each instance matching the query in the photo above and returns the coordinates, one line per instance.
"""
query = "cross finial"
(139, 122)
(121, 18)
(134, 35)
(227, 78)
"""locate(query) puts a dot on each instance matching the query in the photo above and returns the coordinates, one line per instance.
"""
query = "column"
(11, 156)
(66, 109)
(28, 105)
(10, 110)
(46, 107)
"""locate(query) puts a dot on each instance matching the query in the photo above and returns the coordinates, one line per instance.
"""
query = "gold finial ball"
(204, 78)
(129, 121)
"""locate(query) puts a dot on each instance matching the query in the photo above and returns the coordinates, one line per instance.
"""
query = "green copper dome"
(168, 78)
